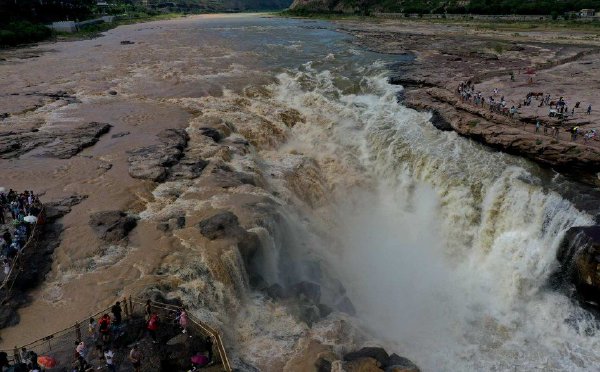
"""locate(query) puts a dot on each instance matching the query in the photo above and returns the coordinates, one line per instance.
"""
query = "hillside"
(445, 6)
(240, 5)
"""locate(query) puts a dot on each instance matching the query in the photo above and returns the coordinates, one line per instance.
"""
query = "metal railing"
(207, 329)
(60, 343)
(15, 266)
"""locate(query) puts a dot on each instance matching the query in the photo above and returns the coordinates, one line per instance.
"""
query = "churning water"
(444, 246)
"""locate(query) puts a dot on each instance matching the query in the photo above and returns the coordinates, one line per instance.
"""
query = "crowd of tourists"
(558, 109)
(106, 346)
(468, 93)
(18, 213)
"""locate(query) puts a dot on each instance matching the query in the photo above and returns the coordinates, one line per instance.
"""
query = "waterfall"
(445, 246)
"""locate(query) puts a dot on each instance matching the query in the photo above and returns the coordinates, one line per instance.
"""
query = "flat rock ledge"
(500, 132)
(165, 160)
(62, 143)
(112, 226)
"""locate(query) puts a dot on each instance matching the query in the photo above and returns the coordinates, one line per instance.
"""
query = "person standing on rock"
(589, 109)
(183, 320)
(104, 327)
(116, 310)
(537, 126)
(153, 327)
(109, 358)
(136, 356)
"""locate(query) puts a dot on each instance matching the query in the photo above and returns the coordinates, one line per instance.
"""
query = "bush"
(16, 33)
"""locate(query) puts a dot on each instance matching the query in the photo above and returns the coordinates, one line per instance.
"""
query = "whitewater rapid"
(445, 246)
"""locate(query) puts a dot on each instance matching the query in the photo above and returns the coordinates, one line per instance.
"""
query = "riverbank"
(23, 34)
(558, 63)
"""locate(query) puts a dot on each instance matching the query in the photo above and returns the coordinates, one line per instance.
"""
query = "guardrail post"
(16, 354)
(77, 332)
(126, 307)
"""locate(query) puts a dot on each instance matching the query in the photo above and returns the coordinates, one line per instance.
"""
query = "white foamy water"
(446, 248)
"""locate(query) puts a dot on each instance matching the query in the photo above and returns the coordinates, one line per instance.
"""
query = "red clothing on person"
(153, 322)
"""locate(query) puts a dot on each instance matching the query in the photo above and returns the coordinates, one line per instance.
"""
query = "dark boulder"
(225, 225)
(439, 121)
(153, 162)
(248, 244)
(363, 365)
(112, 226)
(397, 363)
(324, 310)
(311, 291)
(57, 209)
(74, 141)
(377, 353)
(211, 133)
(220, 225)
(187, 169)
(579, 255)
(323, 365)
(275, 291)
(120, 134)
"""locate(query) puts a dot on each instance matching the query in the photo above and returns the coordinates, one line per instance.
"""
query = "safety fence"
(61, 345)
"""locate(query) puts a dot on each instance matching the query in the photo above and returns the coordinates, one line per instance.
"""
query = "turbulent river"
(445, 247)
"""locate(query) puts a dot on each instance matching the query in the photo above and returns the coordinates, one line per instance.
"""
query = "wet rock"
(60, 143)
(153, 162)
(324, 361)
(8, 311)
(324, 310)
(4, 115)
(127, 42)
(307, 312)
(345, 306)
(579, 255)
(180, 222)
(376, 353)
(397, 363)
(112, 92)
(248, 244)
(112, 226)
(120, 134)
(439, 121)
(275, 291)
(81, 137)
(363, 365)
(57, 209)
(175, 138)
(225, 225)
(211, 133)
(105, 166)
(220, 225)
(227, 178)
(187, 169)
(311, 291)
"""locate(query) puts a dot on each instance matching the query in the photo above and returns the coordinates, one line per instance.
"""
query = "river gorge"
(395, 233)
